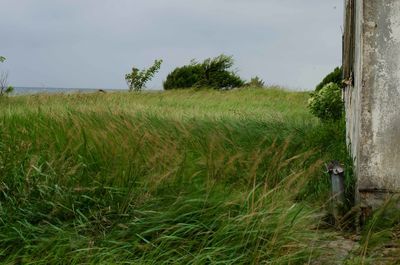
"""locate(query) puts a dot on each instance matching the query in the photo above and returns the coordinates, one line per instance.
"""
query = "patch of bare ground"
(337, 250)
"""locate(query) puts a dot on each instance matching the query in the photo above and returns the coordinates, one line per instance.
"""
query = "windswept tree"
(218, 74)
(214, 73)
(137, 79)
(2, 59)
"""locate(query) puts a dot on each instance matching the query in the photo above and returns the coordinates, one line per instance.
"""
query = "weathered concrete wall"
(373, 104)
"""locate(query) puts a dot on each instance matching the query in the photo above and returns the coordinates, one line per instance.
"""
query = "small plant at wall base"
(327, 103)
(137, 79)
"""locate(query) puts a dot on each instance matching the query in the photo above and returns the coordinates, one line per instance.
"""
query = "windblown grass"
(181, 177)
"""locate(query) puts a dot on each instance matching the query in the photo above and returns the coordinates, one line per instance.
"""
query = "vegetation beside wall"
(175, 177)
(179, 177)
(326, 102)
(336, 77)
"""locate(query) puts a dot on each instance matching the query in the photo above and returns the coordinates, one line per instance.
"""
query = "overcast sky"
(93, 43)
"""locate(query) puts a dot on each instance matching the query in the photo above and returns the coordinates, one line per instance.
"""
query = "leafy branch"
(137, 79)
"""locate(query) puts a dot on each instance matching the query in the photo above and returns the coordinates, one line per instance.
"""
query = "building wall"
(373, 104)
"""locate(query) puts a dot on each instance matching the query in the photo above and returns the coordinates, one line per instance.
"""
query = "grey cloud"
(93, 43)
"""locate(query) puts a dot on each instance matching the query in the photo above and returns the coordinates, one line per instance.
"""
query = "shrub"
(137, 79)
(336, 76)
(327, 103)
(212, 72)
(4, 87)
(255, 82)
(184, 77)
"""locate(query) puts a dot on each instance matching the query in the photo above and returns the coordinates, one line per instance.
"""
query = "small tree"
(256, 82)
(137, 79)
(4, 87)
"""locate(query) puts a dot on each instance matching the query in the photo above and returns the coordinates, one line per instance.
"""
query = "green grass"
(181, 177)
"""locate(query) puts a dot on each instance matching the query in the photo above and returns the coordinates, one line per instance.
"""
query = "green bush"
(255, 82)
(213, 73)
(336, 76)
(327, 103)
(184, 77)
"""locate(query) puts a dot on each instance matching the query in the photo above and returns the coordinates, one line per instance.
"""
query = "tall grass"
(181, 177)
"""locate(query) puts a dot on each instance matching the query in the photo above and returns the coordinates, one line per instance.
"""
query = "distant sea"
(50, 90)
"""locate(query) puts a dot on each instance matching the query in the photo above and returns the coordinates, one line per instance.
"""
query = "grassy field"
(181, 177)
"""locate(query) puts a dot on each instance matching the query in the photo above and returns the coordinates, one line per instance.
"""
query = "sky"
(94, 43)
